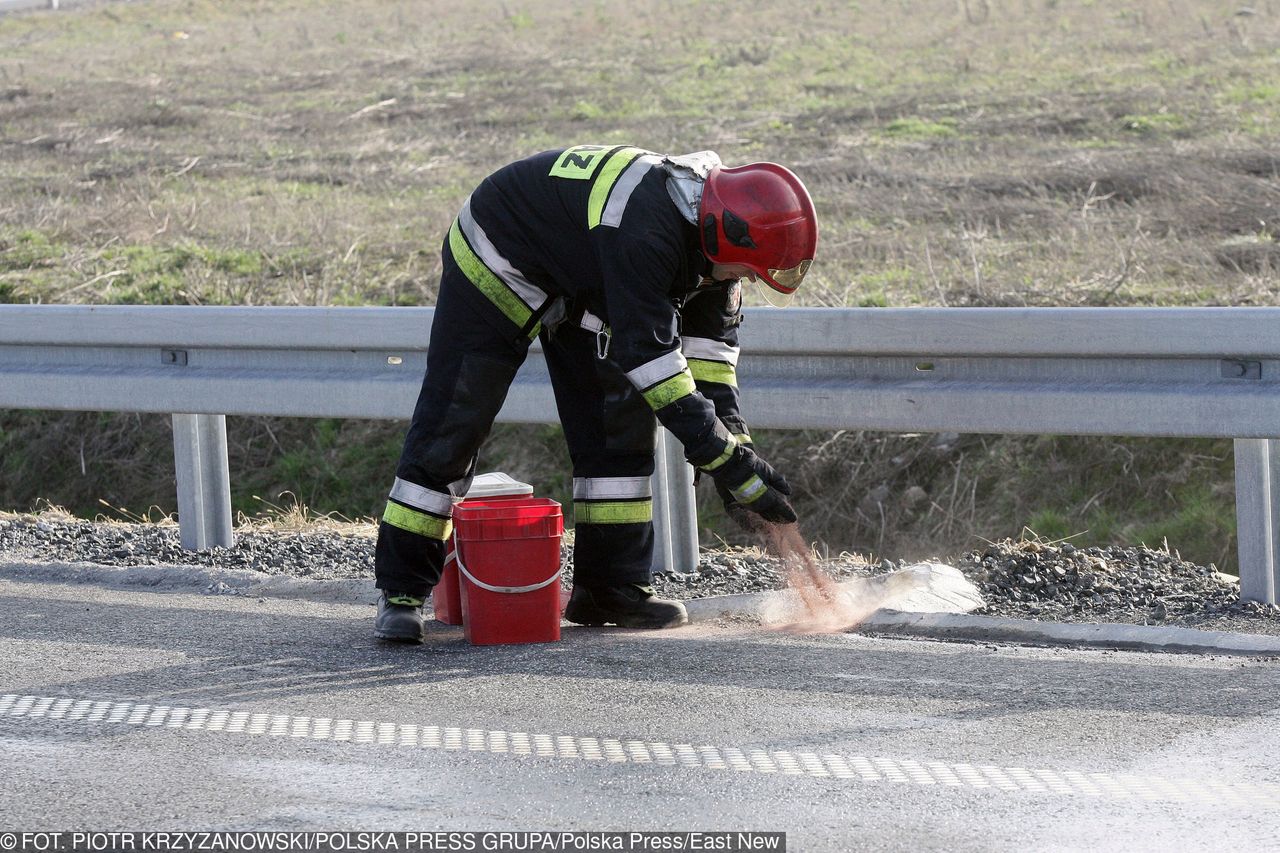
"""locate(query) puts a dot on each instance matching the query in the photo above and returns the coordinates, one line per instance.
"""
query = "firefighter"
(627, 266)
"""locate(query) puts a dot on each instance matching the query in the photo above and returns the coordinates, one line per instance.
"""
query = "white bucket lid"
(497, 484)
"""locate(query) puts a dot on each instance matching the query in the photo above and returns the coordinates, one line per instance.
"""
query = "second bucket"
(446, 598)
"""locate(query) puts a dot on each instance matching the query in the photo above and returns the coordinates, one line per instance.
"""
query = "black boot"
(627, 606)
(399, 618)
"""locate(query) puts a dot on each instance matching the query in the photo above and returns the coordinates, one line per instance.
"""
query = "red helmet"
(759, 215)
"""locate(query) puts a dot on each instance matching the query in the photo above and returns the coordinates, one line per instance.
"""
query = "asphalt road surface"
(150, 711)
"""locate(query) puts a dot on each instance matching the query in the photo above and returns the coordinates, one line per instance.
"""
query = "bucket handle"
(456, 556)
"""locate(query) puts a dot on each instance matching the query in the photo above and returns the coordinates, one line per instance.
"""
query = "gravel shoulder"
(1023, 580)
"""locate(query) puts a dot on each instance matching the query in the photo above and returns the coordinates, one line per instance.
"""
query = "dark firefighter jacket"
(590, 235)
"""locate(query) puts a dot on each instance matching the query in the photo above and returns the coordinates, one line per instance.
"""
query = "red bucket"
(509, 565)
(446, 598)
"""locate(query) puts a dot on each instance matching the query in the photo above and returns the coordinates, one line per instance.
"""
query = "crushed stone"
(1052, 582)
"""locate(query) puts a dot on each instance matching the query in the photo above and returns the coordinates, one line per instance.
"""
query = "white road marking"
(859, 768)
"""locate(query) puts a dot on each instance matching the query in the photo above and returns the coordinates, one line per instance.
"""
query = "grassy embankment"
(980, 152)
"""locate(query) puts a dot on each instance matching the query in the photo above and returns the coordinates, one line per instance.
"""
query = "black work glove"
(751, 488)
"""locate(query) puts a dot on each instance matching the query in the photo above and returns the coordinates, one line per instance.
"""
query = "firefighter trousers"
(472, 358)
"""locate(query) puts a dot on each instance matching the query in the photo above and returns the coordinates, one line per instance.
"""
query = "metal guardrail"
(22, 5)
(51, 5)
(1211, 372)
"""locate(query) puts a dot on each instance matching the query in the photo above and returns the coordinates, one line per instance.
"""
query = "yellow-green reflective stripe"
(750, 490)
(722, 458)
(742, 438)
(713, 371)
(488, 283)
(669, 390)
(420, 523)
(612, 512)
(604, 182)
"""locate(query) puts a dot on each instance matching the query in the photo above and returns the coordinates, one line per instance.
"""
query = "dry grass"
(290, 515)
(313, 152)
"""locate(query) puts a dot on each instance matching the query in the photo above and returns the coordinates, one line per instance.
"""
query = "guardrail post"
(1258, 517)
(675, 514)
(204, 483)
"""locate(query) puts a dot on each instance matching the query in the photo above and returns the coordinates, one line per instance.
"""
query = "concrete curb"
(1107, 635)
(931, 626)
(196, 579)
(996, 629)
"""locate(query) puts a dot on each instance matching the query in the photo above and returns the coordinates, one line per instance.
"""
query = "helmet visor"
(774, 297)
(781, 285)
(790, 279)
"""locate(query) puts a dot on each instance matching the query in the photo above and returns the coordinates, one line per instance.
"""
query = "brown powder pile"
(817, 604)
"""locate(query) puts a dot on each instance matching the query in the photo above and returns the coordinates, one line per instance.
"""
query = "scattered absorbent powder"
(817, 604)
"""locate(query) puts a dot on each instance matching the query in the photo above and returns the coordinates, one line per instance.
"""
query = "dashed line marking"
(853, 768)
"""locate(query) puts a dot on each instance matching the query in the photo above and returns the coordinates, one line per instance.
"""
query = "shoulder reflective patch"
(613, 167)
(580, 163)
(626, 185)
